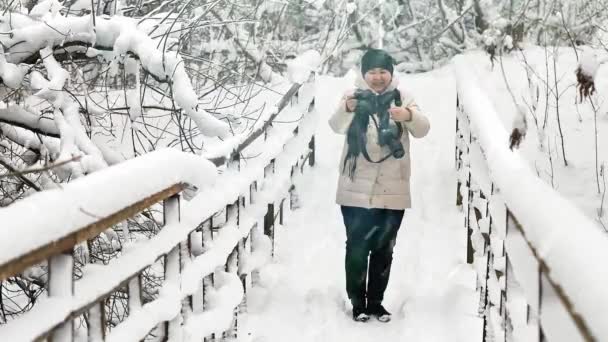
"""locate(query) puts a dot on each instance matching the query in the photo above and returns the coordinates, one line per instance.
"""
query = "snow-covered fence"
(208, 249)
(539, 259)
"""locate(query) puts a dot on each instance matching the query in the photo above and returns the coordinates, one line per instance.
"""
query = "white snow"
(508, 42)
(589, 64)
(220, 313)
(260, 256)
(299, 69)
(351, 7)
(22, 116)
(10, 73)
(45, 9)
(267, 148)
(317, 3)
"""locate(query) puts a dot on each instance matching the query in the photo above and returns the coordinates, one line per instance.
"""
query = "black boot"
(360, 314)
(378, 311)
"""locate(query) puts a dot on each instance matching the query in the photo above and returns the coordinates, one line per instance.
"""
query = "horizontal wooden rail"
(66, 243)
(545, 270)
(262, 130)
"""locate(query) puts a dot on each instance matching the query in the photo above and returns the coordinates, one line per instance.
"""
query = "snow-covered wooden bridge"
(254, 252)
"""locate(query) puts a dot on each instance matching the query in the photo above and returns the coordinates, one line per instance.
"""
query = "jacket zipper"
(371, 197)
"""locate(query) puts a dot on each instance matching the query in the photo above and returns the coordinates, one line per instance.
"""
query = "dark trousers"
(370, 233)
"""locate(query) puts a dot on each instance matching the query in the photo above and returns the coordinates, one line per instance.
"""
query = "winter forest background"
(87, 84)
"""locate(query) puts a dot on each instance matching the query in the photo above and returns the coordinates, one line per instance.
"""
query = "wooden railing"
(533, 282)
(194, 255)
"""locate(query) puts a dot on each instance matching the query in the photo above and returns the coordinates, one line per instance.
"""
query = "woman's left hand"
(400, 114)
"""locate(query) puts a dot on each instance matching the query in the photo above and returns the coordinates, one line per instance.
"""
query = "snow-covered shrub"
(585, 75)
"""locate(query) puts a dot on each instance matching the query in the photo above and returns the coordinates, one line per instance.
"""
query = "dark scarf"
(356, 139)
(356, 136)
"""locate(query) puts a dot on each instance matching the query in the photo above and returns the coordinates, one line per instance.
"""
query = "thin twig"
(16, 173)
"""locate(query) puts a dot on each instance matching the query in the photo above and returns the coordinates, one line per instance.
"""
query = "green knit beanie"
(376, 58)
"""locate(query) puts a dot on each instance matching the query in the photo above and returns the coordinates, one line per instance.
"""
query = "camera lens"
(398, 153)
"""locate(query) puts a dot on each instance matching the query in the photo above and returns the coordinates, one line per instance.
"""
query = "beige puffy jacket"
(378, 185)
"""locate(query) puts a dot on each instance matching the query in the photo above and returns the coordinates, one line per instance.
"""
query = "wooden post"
(295, 97)
(236, 160)
(269, 169)
(232, 267)
(470, 251)
(196, 248)
(208, 280)
(281, 211)
(311, 147)
(2, 316)
(504, 294)
(95, 317)
(292, 196)
(541, 336)
(61, 284)
(253, 188)
(269, 217)
(173, 263)
(185, 258)
(456, 155)
(458, 162)
(243, 251)
(255, 233)
(457, 137)
(269, 224)
(311, 105)
(135, 299)
(97, 322)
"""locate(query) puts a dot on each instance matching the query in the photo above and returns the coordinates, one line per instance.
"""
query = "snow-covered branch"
(120, 34)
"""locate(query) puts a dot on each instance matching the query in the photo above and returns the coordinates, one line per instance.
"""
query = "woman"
(374, 186)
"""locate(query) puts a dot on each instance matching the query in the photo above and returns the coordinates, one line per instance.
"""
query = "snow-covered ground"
(301, 295)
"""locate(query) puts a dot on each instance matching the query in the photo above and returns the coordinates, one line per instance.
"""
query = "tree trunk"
(480, 22)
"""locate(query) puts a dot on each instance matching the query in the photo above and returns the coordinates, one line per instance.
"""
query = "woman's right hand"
(351, 104)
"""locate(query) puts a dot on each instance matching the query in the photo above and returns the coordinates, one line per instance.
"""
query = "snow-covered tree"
(87, 84)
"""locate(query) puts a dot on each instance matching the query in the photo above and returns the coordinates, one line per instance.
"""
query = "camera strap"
(366, 155)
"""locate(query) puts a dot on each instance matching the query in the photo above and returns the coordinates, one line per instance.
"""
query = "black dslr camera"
(389, 133)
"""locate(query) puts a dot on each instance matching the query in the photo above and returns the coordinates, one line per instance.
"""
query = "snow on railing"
(210, 247)
(538, 258)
